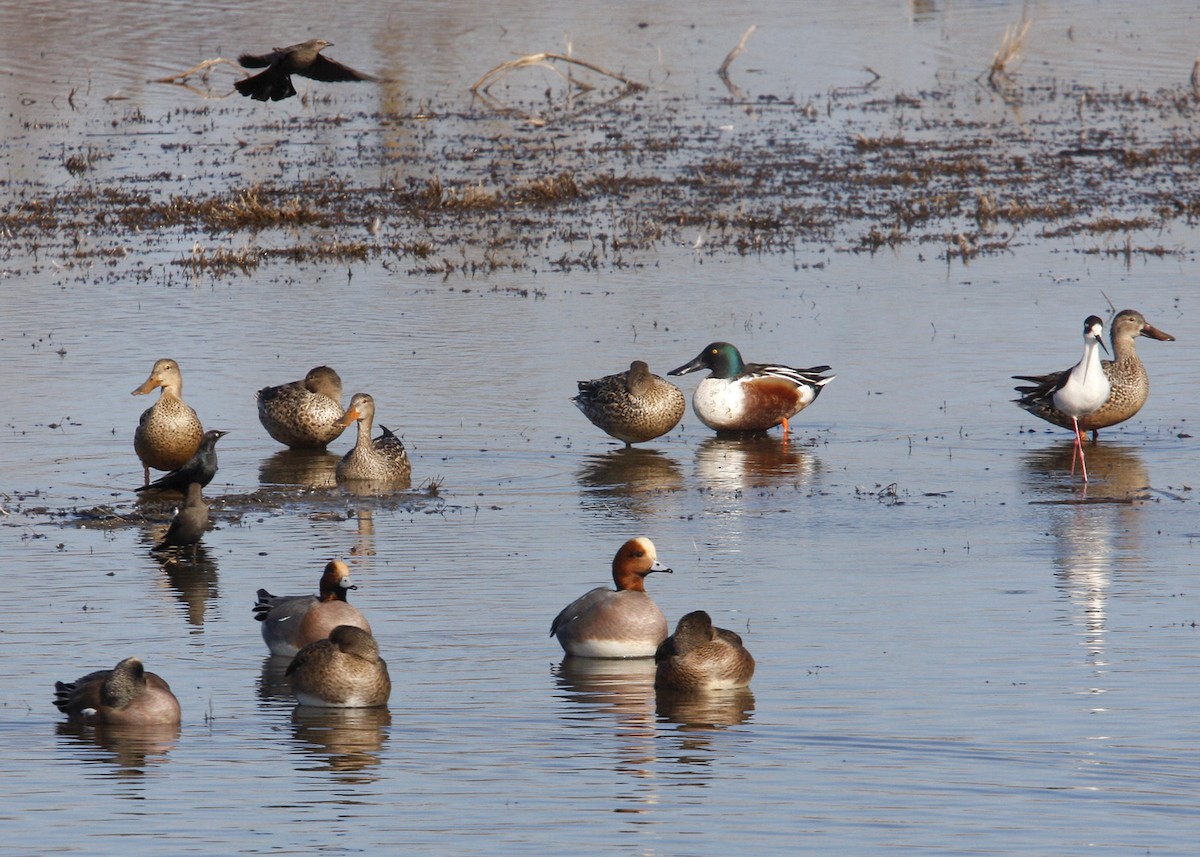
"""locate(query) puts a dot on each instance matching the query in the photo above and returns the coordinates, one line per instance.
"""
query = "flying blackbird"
(201, 467)
(304, 59)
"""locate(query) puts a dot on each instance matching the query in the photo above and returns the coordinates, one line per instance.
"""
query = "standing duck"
(305, 414)
(169, 433)
(1129, 383)
(699, 657)
(620, 623)
(126, 695)
(750, 397)
(382, 460)
(291, 622)
(631, 406)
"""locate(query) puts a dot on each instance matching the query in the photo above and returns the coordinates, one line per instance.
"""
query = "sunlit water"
(951, 659)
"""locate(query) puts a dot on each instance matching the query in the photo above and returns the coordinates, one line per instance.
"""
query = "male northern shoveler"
(1084, 388)
(699, 657)
(126, 695)
(632, 406)
(304, 414)
(291, 622)
(382, 460)
(749, 397)
(1130, 385)
(341, 671)
(616, 623)
(169, 433)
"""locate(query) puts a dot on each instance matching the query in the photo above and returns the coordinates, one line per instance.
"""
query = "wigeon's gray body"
(620, 623)
(291, 622)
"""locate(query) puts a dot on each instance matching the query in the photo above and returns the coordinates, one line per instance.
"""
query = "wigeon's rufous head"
(636, 558)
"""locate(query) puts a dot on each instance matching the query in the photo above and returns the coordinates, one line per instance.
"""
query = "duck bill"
(1154, 333)
(349, 417)
(149, 386)
(691, 366)
(658, 566)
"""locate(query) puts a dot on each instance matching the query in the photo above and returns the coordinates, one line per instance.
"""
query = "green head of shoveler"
(722, 359)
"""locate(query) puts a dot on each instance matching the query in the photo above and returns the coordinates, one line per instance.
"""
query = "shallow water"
(953, 655)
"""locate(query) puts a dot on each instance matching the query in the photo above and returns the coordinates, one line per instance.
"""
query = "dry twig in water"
(547, 60)
(1010, 50)
(203, 69)
(736, 52)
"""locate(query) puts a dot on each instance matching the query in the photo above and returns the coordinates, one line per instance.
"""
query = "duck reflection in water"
(610, 686)
(1116, 472)
(630, 479)
(344, 740)
(311, 468)
(754, 461)
(132, 750)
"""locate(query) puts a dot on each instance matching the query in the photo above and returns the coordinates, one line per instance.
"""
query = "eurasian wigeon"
(342, 671)
(126, 695)
(700, 657)
(620, 623)
(291, 622)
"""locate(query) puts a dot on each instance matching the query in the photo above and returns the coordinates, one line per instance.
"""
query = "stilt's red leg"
(1079, 447)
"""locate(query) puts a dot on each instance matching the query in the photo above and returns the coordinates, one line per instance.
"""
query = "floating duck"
(620, 623)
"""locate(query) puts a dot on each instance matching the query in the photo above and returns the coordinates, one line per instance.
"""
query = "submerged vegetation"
(436, 190)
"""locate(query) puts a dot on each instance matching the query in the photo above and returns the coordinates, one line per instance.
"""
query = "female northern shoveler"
(699, 657)
(169, 433)
(342, 671)
(126, 695)
(632, 406)
(1083, 388)
(291, 622)
(382, 460)
(1130, 385)
(304, 414)
(620, 623)
(748, 397)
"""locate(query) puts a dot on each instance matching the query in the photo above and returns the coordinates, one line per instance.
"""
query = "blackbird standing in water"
(304, 59)
(189, 523)
(201, 467)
